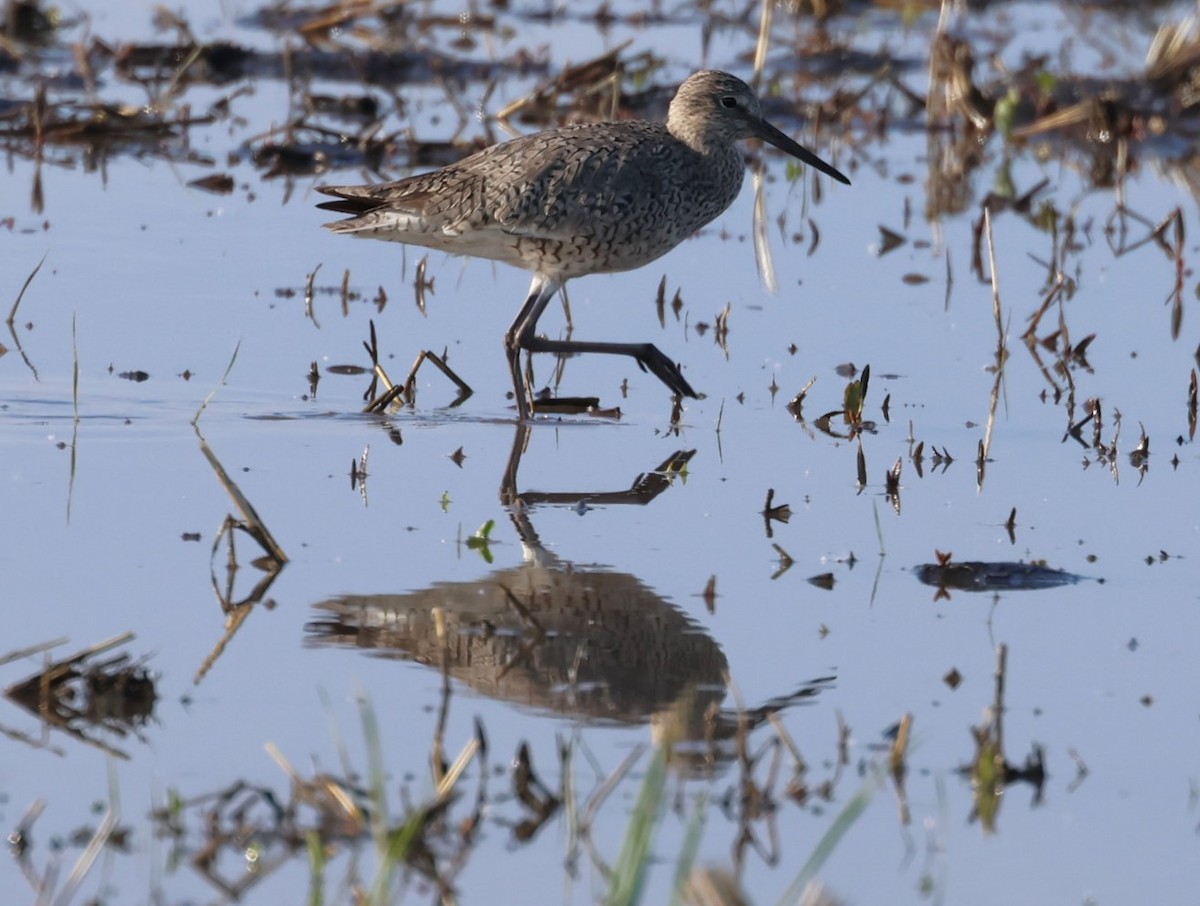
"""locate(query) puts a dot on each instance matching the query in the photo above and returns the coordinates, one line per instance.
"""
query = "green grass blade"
(691, 846)
(316, 862)
(629, 872)
(832, 837)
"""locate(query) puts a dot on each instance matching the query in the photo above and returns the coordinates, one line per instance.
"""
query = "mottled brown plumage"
(585, 199)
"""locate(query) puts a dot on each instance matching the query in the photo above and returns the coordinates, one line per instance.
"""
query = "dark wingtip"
(344, 206)
(346, 202)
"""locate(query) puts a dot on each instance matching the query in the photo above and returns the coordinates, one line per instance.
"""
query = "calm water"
(144, 273)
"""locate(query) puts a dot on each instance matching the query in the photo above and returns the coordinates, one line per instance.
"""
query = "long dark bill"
(769, 133)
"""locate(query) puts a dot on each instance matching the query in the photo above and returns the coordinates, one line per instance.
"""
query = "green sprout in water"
(1046, 82)
(855, 397)
(1006, 111)
(479, 541)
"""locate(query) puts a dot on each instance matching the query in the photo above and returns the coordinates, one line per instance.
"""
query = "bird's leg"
(522, 382)
(541, 291)
(648, 356)
(530, 381)
(514, 367)
(523, 335)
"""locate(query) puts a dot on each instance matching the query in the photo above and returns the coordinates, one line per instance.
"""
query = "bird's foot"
(652, 359)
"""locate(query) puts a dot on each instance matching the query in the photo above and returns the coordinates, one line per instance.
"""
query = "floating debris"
(88, 697)
(978, 575)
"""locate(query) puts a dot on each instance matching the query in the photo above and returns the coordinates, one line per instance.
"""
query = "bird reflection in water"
(585, 643)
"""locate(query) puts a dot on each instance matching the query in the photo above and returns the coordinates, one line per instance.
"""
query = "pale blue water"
(167, 279)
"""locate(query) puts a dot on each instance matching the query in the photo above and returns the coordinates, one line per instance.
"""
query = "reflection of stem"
(993, 400)
(47, 695)
(949, 279)
(597, 799)
(99, 840)
(899, 767)
(998, 705)
(882, 552)
(24, 356)
(437, 756)
(762, 246)
(75, 420)
(252, 525)
(232, 625)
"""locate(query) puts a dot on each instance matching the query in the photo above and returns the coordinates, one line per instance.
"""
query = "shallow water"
(143, 273)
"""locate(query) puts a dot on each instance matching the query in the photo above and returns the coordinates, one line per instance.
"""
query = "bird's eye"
(729, 102)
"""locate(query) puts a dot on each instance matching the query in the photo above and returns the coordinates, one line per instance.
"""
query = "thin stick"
(74, 369)
(610, 783)
(1001, 347)
(991, 245)
(308, 297)
(254, 525)
(788, 742)
(89, 856)
(762, 244)
(12, 315)
(220, 384)
(764, 39)
(32, 650)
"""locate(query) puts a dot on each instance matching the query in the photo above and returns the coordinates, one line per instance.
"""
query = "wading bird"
(586, 199)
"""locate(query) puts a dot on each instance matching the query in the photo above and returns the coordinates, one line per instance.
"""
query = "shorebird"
(592, 198)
